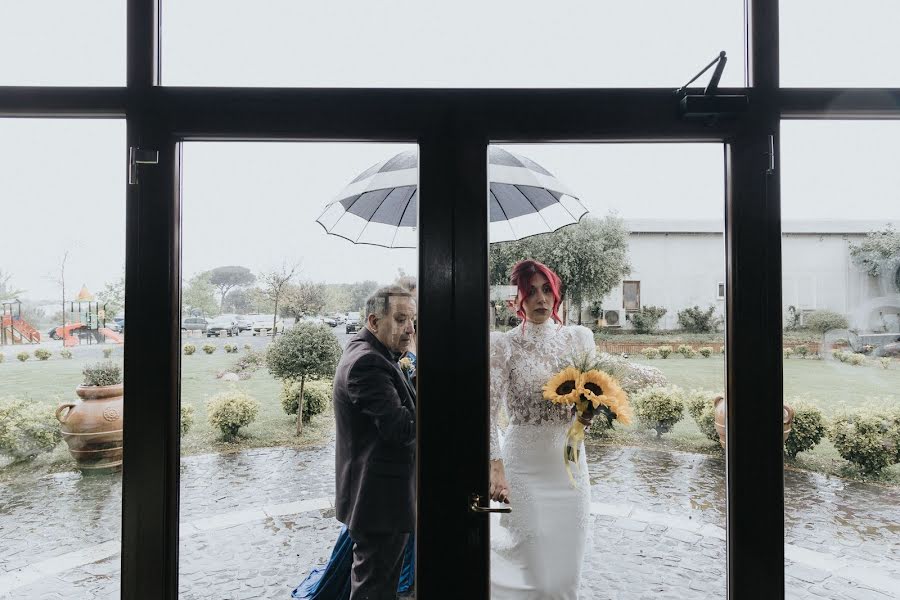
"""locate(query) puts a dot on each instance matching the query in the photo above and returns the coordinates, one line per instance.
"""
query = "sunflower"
(601, 389)
(563, 387)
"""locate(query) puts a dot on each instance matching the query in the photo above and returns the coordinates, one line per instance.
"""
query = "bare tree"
(7, 292)
(60, 280)
(274, 285)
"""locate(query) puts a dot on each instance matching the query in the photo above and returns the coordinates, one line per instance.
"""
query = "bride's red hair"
(522, 274)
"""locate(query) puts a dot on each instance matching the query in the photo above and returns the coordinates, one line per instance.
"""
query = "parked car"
(245, 323)
(262, 325)
(351, 325)
(120, 321)
(194, 324)
(330, 321)
(227, 324)
(112, 325)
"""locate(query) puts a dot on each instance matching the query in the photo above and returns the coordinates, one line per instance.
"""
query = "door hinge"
(139, 156)
(771, 154)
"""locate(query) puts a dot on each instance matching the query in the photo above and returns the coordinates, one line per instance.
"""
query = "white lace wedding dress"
(537, 550)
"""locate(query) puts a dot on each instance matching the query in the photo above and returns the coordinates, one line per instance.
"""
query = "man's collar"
(374, 341)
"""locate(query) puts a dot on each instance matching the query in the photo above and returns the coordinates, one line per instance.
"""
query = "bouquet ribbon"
(571, 450)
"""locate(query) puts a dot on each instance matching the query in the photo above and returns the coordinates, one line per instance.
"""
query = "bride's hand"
(499, 488)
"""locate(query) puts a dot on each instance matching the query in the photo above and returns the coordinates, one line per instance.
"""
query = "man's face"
(396, 329)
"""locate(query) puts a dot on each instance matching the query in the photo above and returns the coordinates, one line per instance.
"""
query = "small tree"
(275, 284)
(646, 319)
(198, 296)
(306, 352)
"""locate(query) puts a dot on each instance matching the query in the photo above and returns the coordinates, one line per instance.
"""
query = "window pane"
(61, 311)
(467, 44)
(55, 42)
(262, 503)
(647, 511)
(832, 43)
(841, 302)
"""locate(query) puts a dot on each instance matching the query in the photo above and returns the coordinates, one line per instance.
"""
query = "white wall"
(679, 270)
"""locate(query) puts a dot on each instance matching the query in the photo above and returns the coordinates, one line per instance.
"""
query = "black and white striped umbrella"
(379, 207)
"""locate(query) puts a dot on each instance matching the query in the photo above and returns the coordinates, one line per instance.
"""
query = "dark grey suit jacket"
(375, 412)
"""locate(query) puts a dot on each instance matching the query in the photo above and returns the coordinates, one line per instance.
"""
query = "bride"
(537, 551)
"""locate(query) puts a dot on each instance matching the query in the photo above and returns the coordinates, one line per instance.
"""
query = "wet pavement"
(254, 522)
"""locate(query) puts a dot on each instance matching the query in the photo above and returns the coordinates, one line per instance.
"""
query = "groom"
(375, 411)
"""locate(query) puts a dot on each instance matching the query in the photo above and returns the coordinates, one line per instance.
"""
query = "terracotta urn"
(787, 420)
(92, 427)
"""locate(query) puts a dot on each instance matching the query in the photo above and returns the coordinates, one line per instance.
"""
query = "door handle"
(475, 506)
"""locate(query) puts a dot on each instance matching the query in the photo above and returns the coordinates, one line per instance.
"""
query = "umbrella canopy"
(379, 207)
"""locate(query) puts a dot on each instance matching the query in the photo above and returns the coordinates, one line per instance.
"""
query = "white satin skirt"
(537, 551)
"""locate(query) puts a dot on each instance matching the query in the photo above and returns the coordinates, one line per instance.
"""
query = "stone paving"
(254, 522)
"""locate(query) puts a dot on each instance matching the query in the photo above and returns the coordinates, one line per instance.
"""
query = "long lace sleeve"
(499, 386)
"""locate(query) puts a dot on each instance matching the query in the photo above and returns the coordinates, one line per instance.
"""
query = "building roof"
(790, 226)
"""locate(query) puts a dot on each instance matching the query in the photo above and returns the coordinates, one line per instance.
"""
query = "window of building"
(631, 295)
(720, 291)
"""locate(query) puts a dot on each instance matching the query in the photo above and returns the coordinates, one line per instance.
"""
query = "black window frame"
(453, 129)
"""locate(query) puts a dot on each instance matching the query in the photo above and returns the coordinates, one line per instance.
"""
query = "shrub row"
(683, 349)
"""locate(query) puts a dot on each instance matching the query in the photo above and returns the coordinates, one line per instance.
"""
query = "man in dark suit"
(375, 411)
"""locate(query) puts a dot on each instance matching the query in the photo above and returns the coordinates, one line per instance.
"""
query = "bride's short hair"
(522, 274)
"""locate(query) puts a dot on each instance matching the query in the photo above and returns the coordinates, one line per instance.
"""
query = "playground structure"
(14, 329)
(85, 321)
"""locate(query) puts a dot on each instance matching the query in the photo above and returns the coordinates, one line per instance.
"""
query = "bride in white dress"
(538, 549)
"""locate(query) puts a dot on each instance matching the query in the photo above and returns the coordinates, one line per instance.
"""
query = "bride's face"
(538, 304)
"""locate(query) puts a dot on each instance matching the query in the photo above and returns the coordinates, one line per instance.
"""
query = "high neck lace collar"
(535, 331)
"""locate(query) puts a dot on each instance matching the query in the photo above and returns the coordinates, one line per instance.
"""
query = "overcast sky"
(62, 181)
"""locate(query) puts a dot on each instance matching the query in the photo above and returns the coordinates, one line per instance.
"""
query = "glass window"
(62, 333)
(283, 244)
(720, 291)
(645, 518)
(841, 303)
(407, 43)
(59, 43)
(631, 295)
(831, 43)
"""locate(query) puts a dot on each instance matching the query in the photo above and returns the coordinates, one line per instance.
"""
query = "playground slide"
(111, 335)
(17, 327)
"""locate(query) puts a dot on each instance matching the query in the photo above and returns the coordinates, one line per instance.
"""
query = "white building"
(679, 264)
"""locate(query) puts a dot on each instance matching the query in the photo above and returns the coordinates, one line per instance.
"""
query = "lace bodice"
(522, 360)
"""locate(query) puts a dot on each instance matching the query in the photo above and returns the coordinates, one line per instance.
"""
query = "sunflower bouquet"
(590, 391)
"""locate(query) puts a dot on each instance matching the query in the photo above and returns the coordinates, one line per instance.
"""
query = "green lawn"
(55, 380)
(831, 386)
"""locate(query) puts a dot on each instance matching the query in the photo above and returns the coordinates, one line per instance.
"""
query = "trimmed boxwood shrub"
(23, 356)
(65, 353)
(787, 352)
(801, 351)
(665, 351)
(231, 348)
(807, 430)
(686, 351)
(822, 321)
(650, 353)
(107, 352)
(187, 418)
(706, 351)
(869, 441)
(231, 410)
(659, 408)
(316, 398)
(209, 348)
(42, 354)
(27, 429)
(189, 349)
(701, 407)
